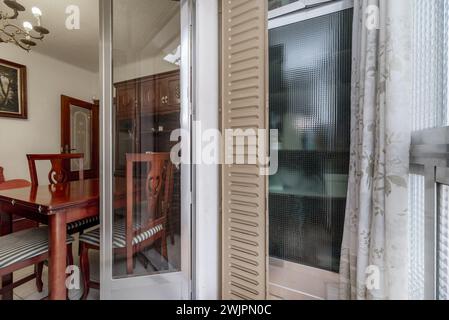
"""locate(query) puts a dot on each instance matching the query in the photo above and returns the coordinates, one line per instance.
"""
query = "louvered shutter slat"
(244, 94)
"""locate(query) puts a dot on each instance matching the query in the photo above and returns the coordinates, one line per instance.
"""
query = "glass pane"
(429, 110)
(416, 241)
(146, 66)
(430, 67)
(274, 4)
(443, 242)
(81, 135)
(310, 85)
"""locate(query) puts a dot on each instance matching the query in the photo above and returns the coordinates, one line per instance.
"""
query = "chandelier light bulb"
(36, 12)
(21, 34)
(27, 26)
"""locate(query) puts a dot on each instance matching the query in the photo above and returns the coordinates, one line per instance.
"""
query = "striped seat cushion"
(83, 223)
(119, 239)
(23, 245)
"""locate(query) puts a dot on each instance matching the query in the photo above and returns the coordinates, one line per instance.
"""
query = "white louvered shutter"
(244, 106)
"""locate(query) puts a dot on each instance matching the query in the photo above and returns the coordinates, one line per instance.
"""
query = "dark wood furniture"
(18, 223)
(22, 249)
(91, 165)
(145, 228)
(156, 94)
(55, 206)
(59, 174)
(147, 111)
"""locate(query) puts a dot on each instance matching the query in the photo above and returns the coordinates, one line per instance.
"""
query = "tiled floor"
(28, 291)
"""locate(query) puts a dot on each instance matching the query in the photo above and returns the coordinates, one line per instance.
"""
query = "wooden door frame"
(65, 132)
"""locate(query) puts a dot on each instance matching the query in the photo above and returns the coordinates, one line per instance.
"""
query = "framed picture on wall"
(13, 90)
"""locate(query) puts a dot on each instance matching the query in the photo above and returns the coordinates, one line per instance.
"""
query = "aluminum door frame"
(306, 13)
(137, 287)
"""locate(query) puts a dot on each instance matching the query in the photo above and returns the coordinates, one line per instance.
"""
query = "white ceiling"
(142, 29)
(77, 47)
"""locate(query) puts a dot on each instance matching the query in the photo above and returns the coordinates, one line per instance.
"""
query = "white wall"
(48, 79)
(207, 192)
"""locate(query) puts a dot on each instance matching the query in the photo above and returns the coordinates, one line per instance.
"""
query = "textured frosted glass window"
(430, 110)
(310, 86)
(443, 242)
(430, 61)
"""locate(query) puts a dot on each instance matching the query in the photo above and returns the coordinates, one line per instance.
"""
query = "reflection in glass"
(146, 57)
(310, 79)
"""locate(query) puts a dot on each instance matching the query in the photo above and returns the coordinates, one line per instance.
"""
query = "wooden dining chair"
(59, 174)
(140, 228)
(37, 274)
(22, 249)
(12, 184)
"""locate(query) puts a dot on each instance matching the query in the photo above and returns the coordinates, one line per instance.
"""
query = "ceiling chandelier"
(24, 36)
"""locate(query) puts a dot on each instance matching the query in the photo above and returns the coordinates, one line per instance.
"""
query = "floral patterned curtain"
(374, 250)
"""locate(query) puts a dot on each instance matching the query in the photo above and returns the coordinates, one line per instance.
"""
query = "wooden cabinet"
(148, 95)
(147, 110)
(169, 93)
(126, 99)
(152, 95)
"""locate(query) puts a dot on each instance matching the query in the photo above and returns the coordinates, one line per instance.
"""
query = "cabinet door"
(126, 142)
(169, 95)
(148, 96)
(126, 100)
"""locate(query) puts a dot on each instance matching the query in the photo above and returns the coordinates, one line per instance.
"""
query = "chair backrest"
(11, 184)
(58, 174)
(155, 194)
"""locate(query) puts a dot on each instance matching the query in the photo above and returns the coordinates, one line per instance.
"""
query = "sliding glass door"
(145, 249)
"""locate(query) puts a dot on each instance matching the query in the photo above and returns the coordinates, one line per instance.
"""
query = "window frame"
(297, 6)
(429, 156)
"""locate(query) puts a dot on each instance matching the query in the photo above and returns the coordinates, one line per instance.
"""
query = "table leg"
(58, 257)
(6, 228)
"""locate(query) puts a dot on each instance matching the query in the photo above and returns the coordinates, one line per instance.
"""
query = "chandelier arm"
(10, 35)
(12, 39)
(36, 37)
(13, 16)
(20, 31)
(16, 34)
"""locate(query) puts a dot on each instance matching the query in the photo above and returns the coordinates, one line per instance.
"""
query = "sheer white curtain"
(374, 250)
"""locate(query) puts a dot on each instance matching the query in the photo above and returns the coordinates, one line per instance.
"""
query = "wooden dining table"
(55, 206)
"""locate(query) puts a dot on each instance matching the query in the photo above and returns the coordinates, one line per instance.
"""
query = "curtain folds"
(374, 249)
